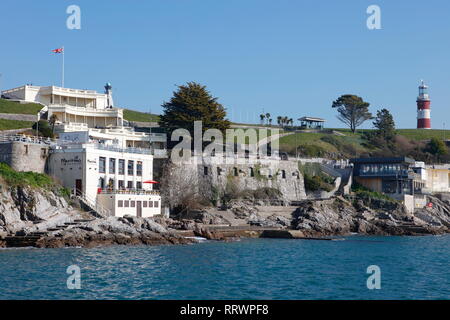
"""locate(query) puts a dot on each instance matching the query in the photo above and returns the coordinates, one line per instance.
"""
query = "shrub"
(33, 179)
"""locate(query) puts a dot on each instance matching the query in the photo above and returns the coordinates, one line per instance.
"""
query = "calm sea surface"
(411, 268)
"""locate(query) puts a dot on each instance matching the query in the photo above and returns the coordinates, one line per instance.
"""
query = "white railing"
(93, 204)
(130, 191)
(27, 139)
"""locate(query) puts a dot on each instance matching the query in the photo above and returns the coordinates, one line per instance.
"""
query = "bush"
(44, 129)
(32, 179)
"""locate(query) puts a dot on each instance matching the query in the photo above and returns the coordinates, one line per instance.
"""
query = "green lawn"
(420, 134)
(14, 124)
(7, 106)
(132, 115)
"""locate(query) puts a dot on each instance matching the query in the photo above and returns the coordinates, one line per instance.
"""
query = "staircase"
(93, 207)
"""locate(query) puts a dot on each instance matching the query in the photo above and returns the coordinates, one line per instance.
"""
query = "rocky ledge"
(322, 218)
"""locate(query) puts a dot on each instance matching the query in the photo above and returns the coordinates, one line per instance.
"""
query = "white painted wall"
(150, 204)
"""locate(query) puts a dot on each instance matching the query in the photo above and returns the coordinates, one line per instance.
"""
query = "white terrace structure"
(72, 105)
(88, 111)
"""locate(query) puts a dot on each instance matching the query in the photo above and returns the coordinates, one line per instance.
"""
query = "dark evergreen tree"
(192, 102)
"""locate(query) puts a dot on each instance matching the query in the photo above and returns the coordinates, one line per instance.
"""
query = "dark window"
(150, 204)
(101, 183)
(139, 168)
(205, 171)
(283, 174)
(120, 203)
(112, 165)
(102, 165)
(130, 184)
(156, 204)
(252, 172)
(127, 203)
(235, 172)
(133, 203)
(144, 204)
(121, 166)
(138, 185)
(121, 184)
(130, 167)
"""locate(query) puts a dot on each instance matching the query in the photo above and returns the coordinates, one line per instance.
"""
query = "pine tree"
(192, 102)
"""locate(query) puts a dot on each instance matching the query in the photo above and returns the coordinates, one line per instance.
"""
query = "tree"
(353, 110)
(267, 117)
(52, 122)
(279, 119)
(436, 147)
(385, 125)
(192, 102)
(43, 128)
(262, 117)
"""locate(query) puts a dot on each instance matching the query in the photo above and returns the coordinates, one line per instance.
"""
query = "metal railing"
(27, 139)
(93, 204)
(130, 191)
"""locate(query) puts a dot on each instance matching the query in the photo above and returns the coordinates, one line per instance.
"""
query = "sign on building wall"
(74, 137)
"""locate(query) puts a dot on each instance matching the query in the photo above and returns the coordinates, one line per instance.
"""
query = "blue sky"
(290, 58)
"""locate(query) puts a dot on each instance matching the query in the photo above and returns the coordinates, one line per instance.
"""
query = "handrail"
(93, 204)
(27, 139)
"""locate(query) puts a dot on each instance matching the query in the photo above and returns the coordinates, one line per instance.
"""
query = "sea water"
(409, 268)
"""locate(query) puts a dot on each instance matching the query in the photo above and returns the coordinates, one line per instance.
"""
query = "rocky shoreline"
(44, 220)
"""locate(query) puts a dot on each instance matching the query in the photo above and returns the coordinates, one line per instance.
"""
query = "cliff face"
(24, 208)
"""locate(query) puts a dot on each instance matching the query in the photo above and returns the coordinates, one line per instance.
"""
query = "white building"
(87, 110)
(115, 180)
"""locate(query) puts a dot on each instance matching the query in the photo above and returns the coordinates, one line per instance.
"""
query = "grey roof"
(312, 119)
(383, 160)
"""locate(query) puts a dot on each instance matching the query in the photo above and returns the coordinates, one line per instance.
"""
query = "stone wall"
(213, 177)
(23, 156)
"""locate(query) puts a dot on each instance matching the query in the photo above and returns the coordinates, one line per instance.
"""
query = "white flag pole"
(63, 66)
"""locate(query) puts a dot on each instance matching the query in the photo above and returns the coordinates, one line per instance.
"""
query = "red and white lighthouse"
(423, 108)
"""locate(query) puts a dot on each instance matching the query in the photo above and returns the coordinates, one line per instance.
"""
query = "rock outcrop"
(112, 230)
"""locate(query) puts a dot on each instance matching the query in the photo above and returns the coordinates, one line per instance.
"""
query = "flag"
(59, 50)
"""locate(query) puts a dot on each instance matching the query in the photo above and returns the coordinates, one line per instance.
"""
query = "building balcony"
(129, 191)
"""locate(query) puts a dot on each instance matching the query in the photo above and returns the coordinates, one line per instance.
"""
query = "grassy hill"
(342, 142)
(8, 106)
(14, 124)
(132, 115)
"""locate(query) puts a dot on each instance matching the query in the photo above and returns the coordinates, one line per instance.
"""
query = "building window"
(205, 171)
(156, 204)
(101, 183)
(138, 185)
(144, 204)
(150, 204)
(252, 172)
(130, 167)
(139, 168)
(127, 203)
(283, 174)
(120, 203)
(133, 203)
(121, 184)
(102, 165)
(112, 165)
(130, 184)
(235, 172)
(121, 166)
